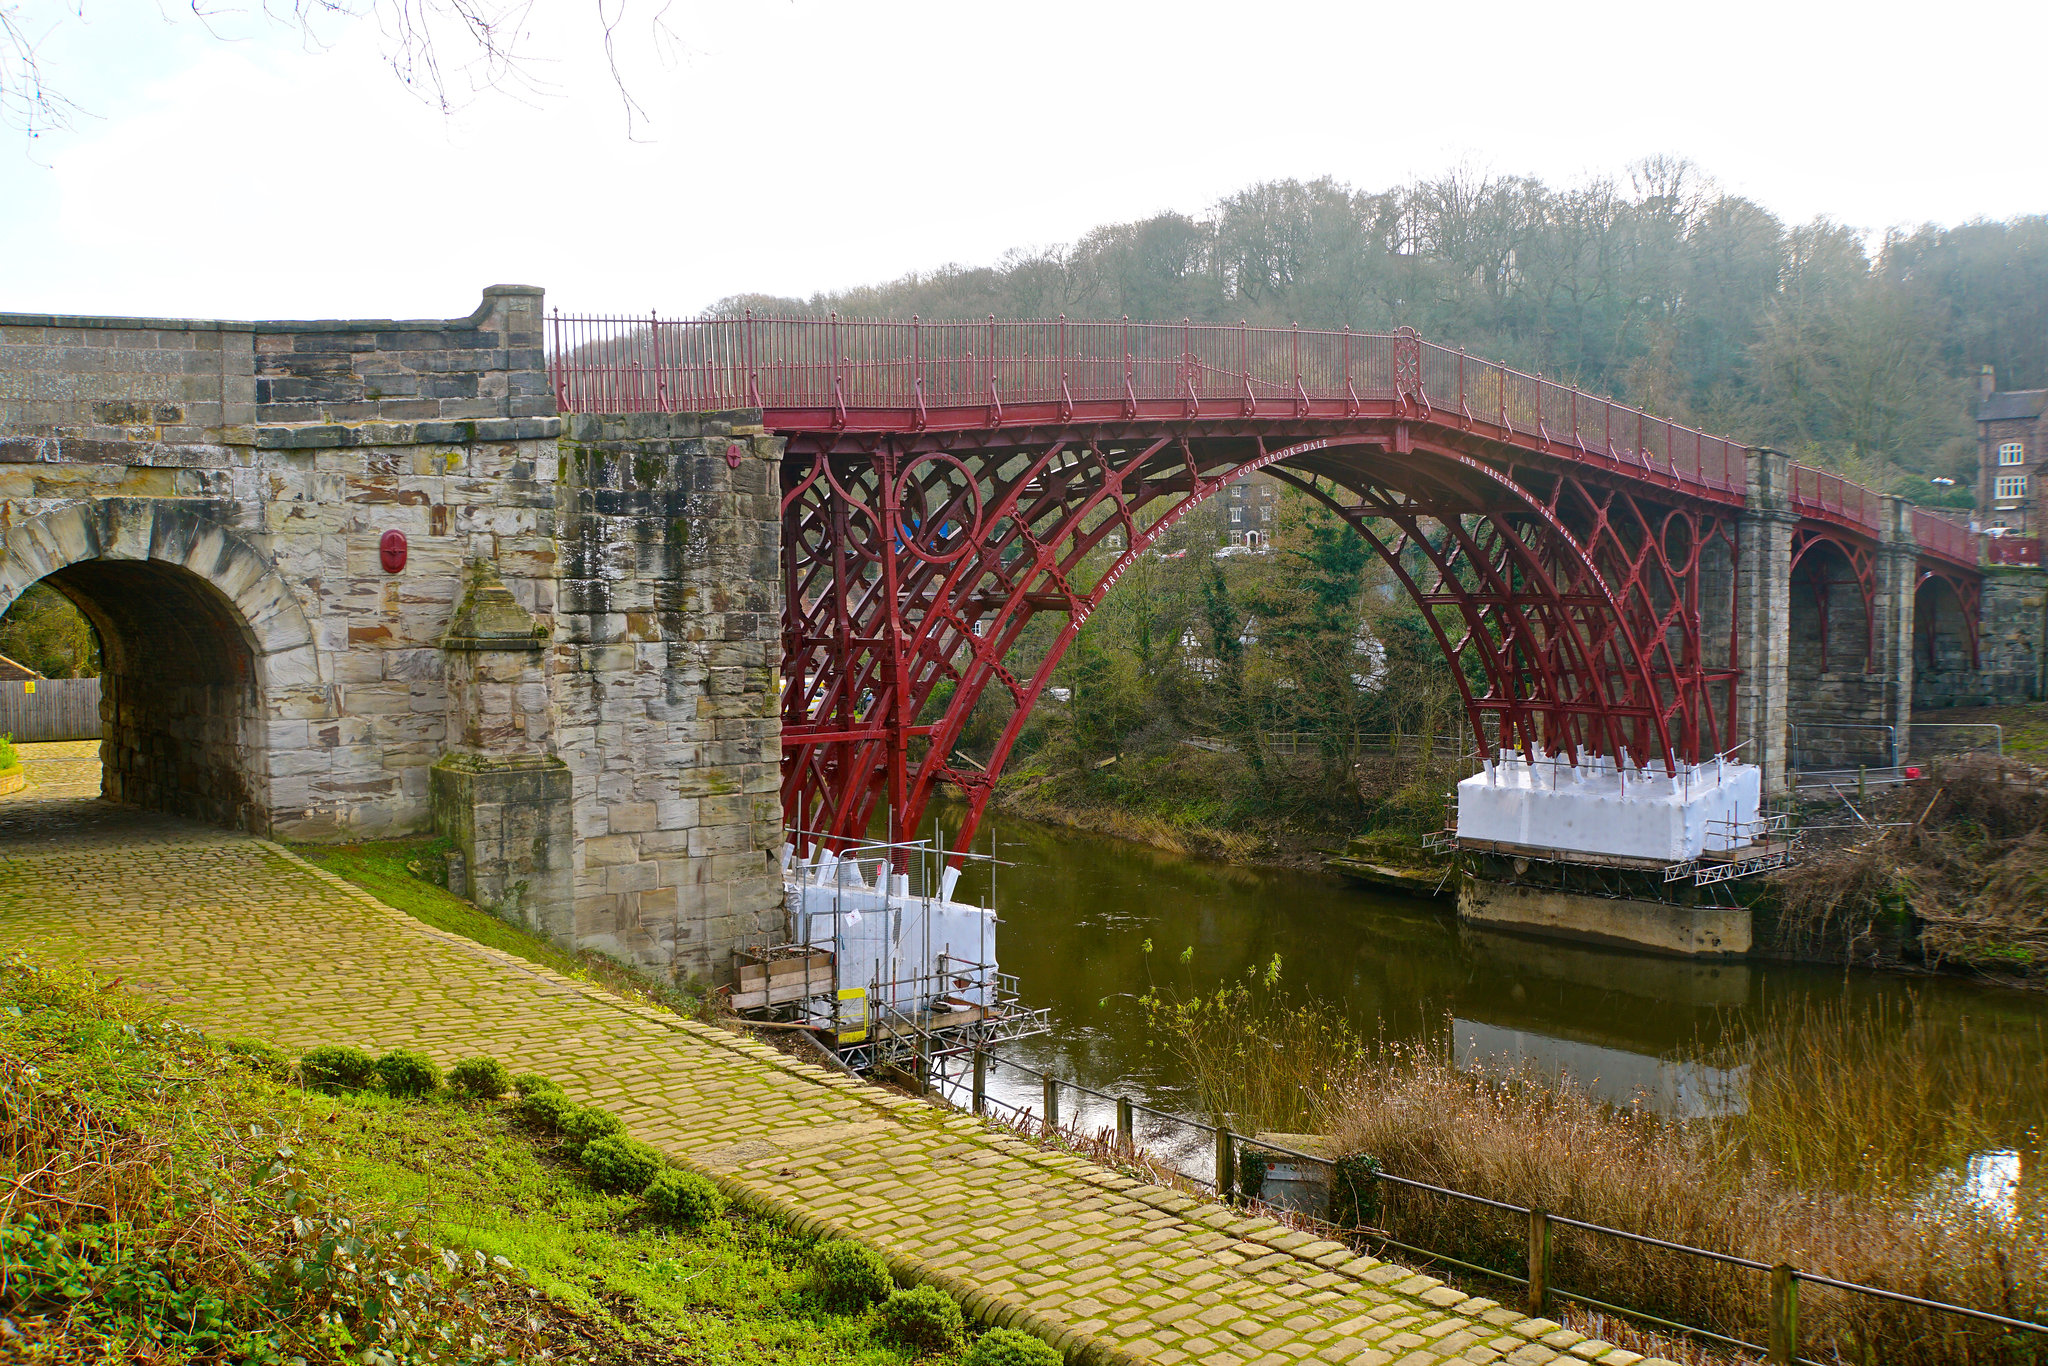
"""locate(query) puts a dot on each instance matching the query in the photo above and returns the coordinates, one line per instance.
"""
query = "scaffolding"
(883, 967)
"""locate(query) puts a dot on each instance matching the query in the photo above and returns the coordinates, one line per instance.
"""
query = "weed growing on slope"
(171, 1202)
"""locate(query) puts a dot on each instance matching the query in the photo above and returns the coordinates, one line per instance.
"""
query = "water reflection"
(1076, 911)
(1678, 1088)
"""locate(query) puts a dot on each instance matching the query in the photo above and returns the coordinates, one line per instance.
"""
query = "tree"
(44, 631)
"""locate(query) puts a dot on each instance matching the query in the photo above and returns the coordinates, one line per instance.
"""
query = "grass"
(1842, 1161)
(2025, 726)
(171, 1202)
(411, 875)
(1179, 799)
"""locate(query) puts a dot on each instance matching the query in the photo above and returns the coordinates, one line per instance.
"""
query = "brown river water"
(1076, 910)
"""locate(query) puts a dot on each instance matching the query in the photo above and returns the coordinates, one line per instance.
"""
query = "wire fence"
(1213, 1158)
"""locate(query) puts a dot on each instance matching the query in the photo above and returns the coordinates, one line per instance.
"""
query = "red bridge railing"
(836, 372)
(2023, 550)
(1937, 535)
(1831, 498)
(871, 374)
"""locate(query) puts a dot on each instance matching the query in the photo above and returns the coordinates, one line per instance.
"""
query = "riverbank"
(1949, 874)
(1199, 802)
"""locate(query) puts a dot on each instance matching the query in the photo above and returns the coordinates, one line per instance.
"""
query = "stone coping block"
(475, 319)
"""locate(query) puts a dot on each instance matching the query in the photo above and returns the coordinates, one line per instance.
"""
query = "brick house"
(1251, 503)
(2012, 440)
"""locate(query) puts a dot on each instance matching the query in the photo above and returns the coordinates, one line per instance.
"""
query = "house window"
(1237, 514)
(1237, 538)
(2012, 486)
(1265, 514)
(2012, 453)
(1237, 493)
(1115, 540)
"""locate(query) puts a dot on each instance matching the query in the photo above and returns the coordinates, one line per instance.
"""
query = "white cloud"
(806, 144)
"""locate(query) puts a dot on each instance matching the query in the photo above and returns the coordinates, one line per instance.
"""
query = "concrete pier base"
(1661, 927)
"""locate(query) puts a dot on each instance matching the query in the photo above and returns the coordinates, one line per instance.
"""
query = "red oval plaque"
(391, 550)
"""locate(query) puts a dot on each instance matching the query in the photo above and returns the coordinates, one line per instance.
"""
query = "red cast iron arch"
(1966, 589)
(1860, 557)
(911, 565)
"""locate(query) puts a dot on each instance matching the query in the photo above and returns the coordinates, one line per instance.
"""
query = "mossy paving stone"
(241, 937)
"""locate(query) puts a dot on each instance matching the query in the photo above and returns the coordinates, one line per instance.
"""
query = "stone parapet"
(95, 385)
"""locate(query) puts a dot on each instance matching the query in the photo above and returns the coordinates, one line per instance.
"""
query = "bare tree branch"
(445, 52)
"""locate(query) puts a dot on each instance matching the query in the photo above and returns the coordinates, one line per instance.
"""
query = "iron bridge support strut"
(1569, 604)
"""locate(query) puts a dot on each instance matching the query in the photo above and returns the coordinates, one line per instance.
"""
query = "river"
(1076, 911)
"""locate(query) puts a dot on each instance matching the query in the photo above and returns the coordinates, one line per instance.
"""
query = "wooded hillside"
(1855, 352)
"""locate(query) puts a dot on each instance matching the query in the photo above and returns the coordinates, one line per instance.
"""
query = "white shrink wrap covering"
(883, 934)
(1620, 811)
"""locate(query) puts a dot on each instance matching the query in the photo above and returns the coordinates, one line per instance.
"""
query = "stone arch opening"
(181, 710)
(1944, 625)
(203, 647)
(1831, 610)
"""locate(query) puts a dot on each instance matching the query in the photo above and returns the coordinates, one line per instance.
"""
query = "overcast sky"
(797, 145)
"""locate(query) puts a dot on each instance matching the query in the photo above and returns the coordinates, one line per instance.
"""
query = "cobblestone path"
(241, 937)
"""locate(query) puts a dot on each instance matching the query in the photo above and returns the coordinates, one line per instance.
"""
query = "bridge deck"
(238, 935)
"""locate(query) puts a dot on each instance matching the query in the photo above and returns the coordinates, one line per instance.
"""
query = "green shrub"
(1009, 1347)
(479, 1079)
(409, 1074)
(682, 1197)
(551, 1109)
(258, 1056)
(850, 1276)
(533, 1083)
(8, 758)
(1355, 1191)
(621, 1164)
(586, 1122)
(923, 1316)
(335, 1068)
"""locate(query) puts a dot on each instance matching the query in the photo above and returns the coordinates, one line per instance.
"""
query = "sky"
(238, 168)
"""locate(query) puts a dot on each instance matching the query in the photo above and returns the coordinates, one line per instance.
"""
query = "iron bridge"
(944, 482)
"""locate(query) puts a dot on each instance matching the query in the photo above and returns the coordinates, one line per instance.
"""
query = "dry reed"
(1961, 873)
(1844, 1164)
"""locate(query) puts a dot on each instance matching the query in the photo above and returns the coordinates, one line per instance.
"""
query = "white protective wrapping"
(1597, 807)
(881, 934)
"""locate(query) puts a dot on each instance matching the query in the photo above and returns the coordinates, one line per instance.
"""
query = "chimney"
(1987, 382)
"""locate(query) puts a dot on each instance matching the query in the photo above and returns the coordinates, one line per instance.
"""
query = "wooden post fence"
(1784, 1315)
(1539, 1263)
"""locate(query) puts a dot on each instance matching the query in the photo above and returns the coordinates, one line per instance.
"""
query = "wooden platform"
(784, 981)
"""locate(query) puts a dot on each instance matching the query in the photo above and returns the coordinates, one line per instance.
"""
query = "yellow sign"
(853, 1014)
(28, 685)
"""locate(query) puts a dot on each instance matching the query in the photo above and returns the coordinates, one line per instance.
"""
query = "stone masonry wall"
(666, 655)
(2012, 643)
(573, 674)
